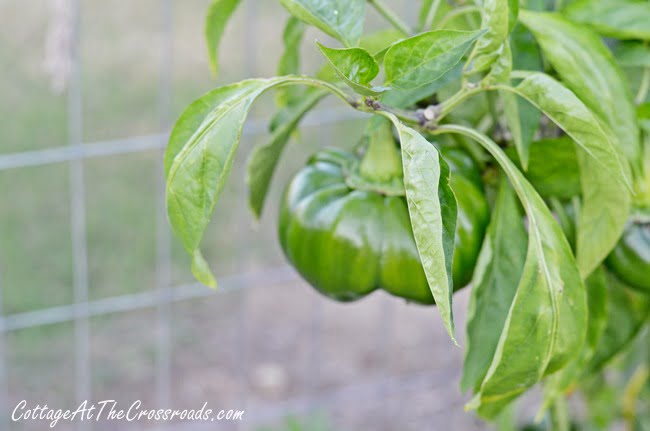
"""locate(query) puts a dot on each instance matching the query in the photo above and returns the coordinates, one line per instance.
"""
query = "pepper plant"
(507, 147)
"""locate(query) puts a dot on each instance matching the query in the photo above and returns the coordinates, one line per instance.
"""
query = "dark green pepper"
(630, 259)
(348, 237)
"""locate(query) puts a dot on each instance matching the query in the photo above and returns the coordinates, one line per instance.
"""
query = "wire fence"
(83, 309)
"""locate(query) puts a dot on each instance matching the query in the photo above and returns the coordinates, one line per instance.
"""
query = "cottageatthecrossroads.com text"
(110, 410)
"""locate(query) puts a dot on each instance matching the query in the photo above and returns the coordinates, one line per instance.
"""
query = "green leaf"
(553, 168)
(621, 19)
(522, 119)
(218, 15)
(496, 19)
(424, 58)
(633, 54)
(626, 312)
(264, 158)
(546, 323)
(605, 208)
(355, 66)
(525, 53)
(602, 176)
(200, 155)
(513, 14)
(557, 384)
(405, 98)
(433, 211)
(341, 19)
(289, 63)
(587, 67)
(495, 281)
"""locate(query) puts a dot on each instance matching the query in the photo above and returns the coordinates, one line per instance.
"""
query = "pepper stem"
(382, 161)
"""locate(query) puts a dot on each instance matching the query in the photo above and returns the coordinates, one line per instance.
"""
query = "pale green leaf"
(433, 212)
(496, 19)
(355, 66)
(200, 155)
(218, 15)
(621, 19)
(494, 285)
(341, 19)
(264, 158)
(546, 322)
(587, 67)
(605, 208)
(604, 175)
(424, 58)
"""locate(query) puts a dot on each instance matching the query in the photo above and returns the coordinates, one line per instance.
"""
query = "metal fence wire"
(162, 298)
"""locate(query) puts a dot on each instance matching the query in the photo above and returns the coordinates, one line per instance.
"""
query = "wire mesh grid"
(161, 299)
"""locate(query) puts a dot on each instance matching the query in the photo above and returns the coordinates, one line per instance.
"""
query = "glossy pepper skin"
(630, 259)
(348, 242)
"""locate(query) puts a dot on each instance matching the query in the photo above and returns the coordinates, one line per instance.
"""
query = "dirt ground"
(275, 350)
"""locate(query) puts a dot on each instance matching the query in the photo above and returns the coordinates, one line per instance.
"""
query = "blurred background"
(97, 301)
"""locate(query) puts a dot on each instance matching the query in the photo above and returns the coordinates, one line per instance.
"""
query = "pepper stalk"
(382, 161)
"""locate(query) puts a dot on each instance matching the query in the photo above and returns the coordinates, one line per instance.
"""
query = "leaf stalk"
(391, 16)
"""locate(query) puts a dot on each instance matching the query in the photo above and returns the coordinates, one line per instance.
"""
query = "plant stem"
(456, 13)
(431, 15)
(560, 415)
(390, 16)
(645, 86)
(382, 160)
(631, 394)
(448, 105)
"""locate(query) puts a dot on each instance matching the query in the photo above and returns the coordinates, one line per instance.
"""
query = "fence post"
(78, 221)
(163, 238)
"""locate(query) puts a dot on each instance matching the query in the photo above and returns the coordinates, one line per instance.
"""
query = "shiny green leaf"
(621, 19)
(587, 67)
(433, 211)
(218, 15)
(264, 158)
(546, 322)
(495, 281)
(355, 66)
(341, 19)
(424, 58)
